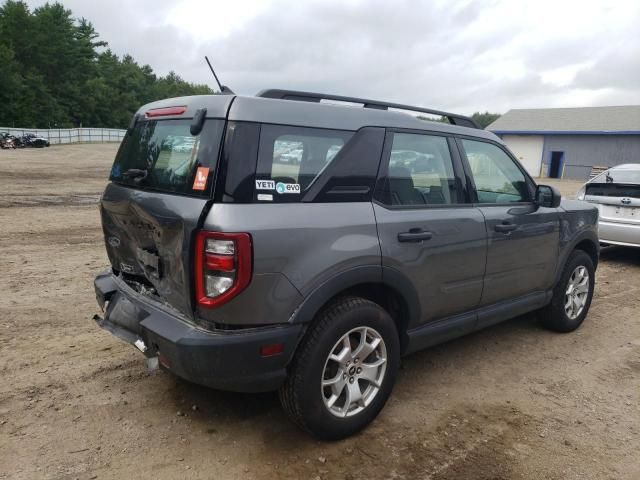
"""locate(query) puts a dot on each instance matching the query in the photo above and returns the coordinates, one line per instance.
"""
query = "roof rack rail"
(453, 118)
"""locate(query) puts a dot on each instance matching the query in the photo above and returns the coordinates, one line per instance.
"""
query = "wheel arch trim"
(589, 236)
(364, 275)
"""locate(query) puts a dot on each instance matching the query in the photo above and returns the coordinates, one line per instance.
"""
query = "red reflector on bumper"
(270, 350)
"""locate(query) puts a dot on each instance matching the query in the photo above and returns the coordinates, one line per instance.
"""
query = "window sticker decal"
(200, 182)
(265, 185)
(287, 187)
(265, 197)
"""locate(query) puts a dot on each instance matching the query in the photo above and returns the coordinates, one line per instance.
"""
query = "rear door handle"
(505, 227)
(414, 235)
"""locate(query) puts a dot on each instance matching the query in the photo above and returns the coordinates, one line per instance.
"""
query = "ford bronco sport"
(286, 242)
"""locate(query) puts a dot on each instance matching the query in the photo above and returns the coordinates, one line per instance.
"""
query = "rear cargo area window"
(291, 159)
(162, 155)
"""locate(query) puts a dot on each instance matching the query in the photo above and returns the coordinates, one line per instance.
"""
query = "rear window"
(290, 159)
(613, 190)
(618, 176)
(163, 155)
(615, 183)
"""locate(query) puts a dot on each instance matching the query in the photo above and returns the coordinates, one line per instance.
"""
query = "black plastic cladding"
(351, 176)
(236, 179)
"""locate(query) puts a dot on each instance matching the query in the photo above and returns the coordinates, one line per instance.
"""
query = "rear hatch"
(161, 183)
(617, 202)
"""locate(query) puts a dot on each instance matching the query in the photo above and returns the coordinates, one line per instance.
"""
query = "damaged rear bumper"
(226, 360)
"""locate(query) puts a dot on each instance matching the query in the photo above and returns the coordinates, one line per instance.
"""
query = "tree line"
(55, 72)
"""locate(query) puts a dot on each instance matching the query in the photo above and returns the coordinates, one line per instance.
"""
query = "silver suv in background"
(616, 193)
(234, 269)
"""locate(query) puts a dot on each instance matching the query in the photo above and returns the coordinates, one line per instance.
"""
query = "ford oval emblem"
(114, 241)
(626, 201)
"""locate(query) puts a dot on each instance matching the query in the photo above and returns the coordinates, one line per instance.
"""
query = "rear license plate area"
(123, 312)
(621, 212)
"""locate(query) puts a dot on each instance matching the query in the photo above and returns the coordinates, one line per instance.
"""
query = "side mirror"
(548, 196)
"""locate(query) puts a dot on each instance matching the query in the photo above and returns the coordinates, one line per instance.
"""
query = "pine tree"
(55, 71)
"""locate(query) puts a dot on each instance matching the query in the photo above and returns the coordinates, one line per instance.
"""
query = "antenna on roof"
(223, 88)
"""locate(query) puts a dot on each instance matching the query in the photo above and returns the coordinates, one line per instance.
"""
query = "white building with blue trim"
(569, 142)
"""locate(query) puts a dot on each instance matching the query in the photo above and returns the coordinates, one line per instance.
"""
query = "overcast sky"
(463, 56)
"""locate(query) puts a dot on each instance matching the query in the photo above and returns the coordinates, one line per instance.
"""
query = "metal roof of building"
(586, 120)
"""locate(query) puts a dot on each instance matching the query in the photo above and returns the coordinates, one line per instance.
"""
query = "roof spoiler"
(453, 118)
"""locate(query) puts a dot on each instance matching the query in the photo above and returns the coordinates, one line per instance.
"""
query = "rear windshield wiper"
(137, 174)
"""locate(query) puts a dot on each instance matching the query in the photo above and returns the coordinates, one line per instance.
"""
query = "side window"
(420, 172)
(498, 179)
(290, 159)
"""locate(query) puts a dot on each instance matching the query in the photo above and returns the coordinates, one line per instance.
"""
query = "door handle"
(505, 227)
(414, 235)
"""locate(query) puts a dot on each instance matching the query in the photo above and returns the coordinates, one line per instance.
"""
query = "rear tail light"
(222, 266)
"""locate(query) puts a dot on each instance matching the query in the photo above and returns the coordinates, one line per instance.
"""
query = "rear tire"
(572, 295)
(344, 369)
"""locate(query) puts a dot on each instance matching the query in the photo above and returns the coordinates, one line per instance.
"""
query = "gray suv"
(290, 242)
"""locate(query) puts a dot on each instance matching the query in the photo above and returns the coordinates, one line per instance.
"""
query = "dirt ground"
(511, 402)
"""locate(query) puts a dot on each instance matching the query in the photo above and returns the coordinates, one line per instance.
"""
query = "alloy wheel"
(577, 291)
(354, 371)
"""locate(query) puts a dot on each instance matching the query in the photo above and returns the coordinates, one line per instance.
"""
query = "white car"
(616, 192)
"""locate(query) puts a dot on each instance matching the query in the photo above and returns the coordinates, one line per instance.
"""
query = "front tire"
(344, 369)
(572, 295)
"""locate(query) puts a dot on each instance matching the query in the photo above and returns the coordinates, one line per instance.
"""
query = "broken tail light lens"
(222, 266)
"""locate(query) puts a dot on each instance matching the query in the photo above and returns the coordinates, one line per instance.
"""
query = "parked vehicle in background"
(7, 141)
(293, 156)
(29, 140)
(392, 234)
(616, 193)
(32, 140)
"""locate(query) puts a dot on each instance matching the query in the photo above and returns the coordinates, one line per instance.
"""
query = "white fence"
(70, 135)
